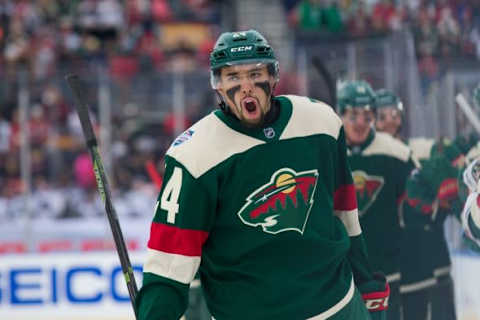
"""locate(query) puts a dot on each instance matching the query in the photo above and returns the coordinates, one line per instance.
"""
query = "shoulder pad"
(387, 145)
(421, 147)
(208, 143)
(310, 117)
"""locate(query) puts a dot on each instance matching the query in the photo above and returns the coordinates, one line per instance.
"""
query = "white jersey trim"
(392, 277)
(350, 220)
(475, 211)
(310, 118)
(471, 210)
(421, 147)
(211, 142)
(441, 271)
(385, 144)
(172, 266)
(418, 285)
(339, 306)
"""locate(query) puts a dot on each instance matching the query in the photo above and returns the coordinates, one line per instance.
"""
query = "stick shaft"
(102, 184)
(468, 111)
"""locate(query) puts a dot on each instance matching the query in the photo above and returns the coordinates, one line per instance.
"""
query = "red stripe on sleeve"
(345, 198)
(172, 239)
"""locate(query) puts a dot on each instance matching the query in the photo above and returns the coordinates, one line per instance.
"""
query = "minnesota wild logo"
(283, 203)
(367, 188)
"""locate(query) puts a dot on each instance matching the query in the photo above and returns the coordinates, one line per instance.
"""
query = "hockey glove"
(375, 293)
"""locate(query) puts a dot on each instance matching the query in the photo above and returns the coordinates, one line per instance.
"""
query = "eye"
(255, 74)
(233, 78)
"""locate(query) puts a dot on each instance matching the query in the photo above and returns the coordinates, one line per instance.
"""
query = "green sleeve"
(345, 205)
(184, 215)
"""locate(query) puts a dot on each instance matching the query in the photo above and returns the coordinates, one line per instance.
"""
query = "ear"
(273, 84)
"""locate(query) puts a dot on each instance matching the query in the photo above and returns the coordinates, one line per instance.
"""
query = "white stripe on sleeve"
(172, 266)
(350, 220)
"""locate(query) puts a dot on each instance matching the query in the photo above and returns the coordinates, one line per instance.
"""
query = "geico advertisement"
(66, 286)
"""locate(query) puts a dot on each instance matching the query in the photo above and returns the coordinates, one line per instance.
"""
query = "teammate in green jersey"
(416, 266)
(431, 197)
(380, 165)
(389, 115)
(259, 198)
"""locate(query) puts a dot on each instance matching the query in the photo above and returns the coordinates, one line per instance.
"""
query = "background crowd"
(135, 43)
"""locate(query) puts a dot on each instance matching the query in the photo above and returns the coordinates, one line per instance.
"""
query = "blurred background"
(146, 67)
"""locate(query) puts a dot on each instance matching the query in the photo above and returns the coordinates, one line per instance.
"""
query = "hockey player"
(432, 194)
(380, 165)
(389, 112)
(259, 197)
(415, 265)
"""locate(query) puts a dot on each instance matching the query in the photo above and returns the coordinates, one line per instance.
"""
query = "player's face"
(357, 123)
(247, 88)
(389, 120)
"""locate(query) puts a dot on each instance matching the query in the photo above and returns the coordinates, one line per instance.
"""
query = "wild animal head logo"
(367, 188)
(283, 203)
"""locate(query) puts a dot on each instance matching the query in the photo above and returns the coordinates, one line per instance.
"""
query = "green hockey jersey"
(268, 216)
(380, 167)
(426, 258)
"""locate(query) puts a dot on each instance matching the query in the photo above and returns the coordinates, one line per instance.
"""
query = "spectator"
(83, 169)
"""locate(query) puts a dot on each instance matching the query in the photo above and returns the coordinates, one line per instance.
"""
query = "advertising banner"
(58, 286)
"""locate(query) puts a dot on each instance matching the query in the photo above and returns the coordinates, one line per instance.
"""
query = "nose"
(247, 86)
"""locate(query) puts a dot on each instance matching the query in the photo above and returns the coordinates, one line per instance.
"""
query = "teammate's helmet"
(476, 96)
(243, 47)
(355, 94)
(386, 98)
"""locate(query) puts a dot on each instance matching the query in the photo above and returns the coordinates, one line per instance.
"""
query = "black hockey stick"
(329, 80)
(102, 184)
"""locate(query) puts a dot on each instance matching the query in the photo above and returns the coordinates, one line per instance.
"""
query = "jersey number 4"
(169, 199)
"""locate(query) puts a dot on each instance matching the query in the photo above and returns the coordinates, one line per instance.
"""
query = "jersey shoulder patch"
(385, 144)
(310, 117)
(208, 143)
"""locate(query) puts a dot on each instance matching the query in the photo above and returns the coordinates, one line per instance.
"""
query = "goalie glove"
(375, 293)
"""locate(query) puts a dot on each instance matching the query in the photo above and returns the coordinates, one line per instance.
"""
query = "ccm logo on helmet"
(241, 49)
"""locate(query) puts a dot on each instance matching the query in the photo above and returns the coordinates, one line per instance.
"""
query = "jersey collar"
(356, 149)
(269, 132)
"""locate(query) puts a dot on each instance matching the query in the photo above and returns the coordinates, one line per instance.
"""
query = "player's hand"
(375, 293)
(471, 175)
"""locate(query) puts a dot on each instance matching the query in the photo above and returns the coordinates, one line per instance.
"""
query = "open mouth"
(250, 105)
